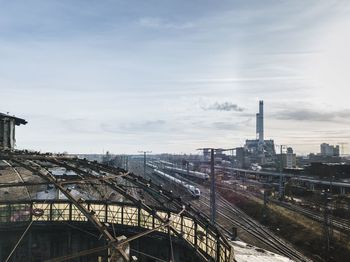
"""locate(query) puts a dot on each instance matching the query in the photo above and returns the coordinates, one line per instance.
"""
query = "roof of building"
(18, 121)
(247, 253)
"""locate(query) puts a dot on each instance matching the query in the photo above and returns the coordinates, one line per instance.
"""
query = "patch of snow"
(247, 253)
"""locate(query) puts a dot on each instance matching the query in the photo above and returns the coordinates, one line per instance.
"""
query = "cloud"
(134, 127)
(225, 106)
(158, 23)
(80, 126)
(313, 115)
(225, 125)
(179, 51)
(241, 79)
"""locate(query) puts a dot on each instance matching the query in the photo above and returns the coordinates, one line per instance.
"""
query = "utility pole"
(125, 160)
(281, 182)
(212, 184)
(212, 181)
(327, 225)
(144, 161)
(127, 163)
(212, 187)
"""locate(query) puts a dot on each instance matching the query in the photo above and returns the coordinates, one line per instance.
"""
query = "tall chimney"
(260, 123)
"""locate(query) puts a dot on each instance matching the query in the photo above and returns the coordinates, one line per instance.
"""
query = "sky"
(174, 76)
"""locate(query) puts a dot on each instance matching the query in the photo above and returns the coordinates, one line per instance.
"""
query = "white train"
(166, 163)
(194, 191)
(181, 171)
(255, 167)
(151, 165)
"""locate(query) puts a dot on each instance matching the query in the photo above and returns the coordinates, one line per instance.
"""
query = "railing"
(194, 232)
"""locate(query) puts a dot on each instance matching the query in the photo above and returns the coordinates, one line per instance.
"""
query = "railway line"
(232, 214)
(337, 223)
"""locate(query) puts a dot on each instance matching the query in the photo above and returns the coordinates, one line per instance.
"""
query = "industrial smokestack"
(260, 123)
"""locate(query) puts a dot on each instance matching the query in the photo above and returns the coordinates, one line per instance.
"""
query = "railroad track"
(254, 228)
(246, 223)
(337, 223)
(235, 216)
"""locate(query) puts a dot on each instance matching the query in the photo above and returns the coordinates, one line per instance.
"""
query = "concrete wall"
(7, 133)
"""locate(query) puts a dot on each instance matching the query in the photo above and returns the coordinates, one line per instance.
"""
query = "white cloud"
(149, 67)
(159, 23)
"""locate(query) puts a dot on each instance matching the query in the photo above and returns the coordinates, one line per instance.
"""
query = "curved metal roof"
(90, 188)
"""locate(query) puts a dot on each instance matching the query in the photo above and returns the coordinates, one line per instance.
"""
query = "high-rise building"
(291, 158)
(329, 150)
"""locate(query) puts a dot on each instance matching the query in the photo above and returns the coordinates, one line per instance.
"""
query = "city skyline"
(175, 76)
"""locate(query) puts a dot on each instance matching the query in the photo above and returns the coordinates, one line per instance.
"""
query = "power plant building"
(259, 150)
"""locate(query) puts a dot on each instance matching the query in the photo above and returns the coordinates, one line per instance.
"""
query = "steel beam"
(113, 185)
(34, 167)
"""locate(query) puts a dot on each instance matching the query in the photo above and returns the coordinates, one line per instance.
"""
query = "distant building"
(206, 154)
(318, 158)
(329, 150)
(329, 170)
(240, 157)
(259, 150)
(262, 155)
(7, 130)
(290, 159)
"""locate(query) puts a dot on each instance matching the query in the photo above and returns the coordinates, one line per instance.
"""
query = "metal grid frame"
(195, 233)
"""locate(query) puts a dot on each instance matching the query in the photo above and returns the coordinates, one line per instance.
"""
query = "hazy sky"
(172, 76)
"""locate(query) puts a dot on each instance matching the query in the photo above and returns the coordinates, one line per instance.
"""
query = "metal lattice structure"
(101, 183)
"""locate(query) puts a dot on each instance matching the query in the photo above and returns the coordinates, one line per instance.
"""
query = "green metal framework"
(195, 233)
(189, 226)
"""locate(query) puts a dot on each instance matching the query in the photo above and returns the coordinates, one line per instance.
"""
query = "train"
(166, 163)
(194, 191)
(194, 174)
(151, 165)
(255, 167)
